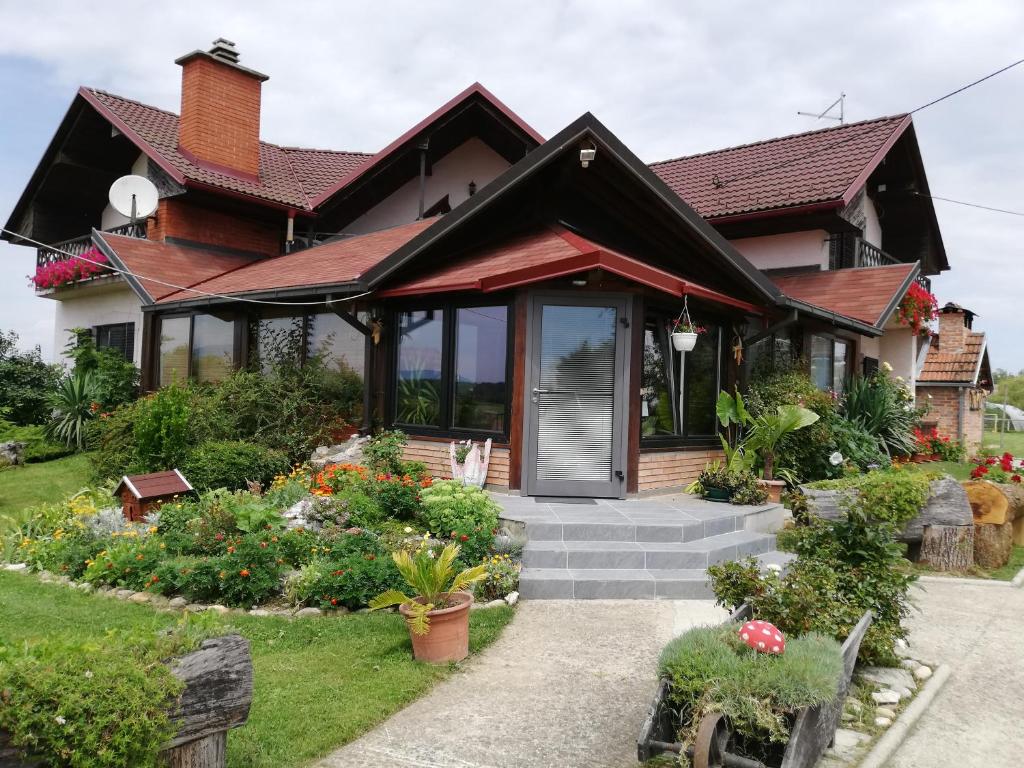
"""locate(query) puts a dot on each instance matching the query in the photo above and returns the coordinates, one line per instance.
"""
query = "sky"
(669, 78)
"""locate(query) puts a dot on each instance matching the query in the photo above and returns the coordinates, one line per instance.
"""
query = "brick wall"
(220, 115)
(673, 469)
(435, 455)
(944, 413)
(177, 218)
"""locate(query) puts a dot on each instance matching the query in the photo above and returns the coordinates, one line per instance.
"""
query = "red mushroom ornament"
(763, 637)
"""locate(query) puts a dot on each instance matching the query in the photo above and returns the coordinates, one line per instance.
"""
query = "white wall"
(472, 161)
(791, 249)
(111, 218)
(871, 347)
(898, 348)
(97, 304)
(872, 226)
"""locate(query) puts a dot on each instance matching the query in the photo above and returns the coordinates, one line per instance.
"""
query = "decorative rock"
(885, 712)
(15, 566)
(11, 453)
(854, 705)
(177, 602)
(905, 693)
(910, 664)
(848, 717)
(349, 452)
(259, 612)
(883, 722)
(885, 697)
(512, 598)
(217, 608)
(305, 613)
(887, 677)
(124, 594)
(195, 607)
(923, 672)
(901, 644)
(296, 513)
(846, 742)
(85, 586)
(140, 597)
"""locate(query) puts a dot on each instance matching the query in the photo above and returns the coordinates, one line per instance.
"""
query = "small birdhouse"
(142, 494)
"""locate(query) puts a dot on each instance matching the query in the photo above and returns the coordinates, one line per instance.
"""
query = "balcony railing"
(48, 254)
(846, 252)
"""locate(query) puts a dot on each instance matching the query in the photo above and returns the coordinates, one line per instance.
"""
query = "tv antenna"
(840, 102)
(134, 197)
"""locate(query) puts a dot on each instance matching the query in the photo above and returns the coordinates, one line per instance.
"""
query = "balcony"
(847, 252)
(49, 255)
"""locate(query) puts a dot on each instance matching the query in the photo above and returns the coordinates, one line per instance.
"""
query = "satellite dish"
(134, 197)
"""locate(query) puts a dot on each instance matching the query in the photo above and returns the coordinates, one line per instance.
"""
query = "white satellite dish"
(134, 197)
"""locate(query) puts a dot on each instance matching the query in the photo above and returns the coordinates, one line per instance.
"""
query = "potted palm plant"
(437, 613)
(767, 431)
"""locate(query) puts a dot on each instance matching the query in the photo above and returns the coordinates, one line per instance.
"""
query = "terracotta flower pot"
(448, 636)
(774, 488)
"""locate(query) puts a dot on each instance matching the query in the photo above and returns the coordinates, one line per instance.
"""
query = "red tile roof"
(289, 176)
(155, 484)
(169, 265)
(862, 294)
(333, 263)
(545, 254)
(954, 367)
(817, 167)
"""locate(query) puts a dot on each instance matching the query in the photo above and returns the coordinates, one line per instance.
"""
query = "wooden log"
(947, 547)
(989, 504)
(208, 752)
(993, 544)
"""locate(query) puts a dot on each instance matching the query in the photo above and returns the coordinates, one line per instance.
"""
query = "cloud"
(669, 78)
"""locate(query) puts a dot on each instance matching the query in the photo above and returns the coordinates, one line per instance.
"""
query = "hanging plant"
(917, 309)
(684, 331)
(67, 271)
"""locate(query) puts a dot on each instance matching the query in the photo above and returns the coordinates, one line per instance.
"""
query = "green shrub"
(400, 497)
(464, 514)
(37, 447)
(895, 495)
(117, 379)
(712, 670)
(25, 382)
(248, 572)
(349, 582)
(164, 425)
(94, 705)
(230, 464)
(74, 404)
(129, 561)
(883, 407)
(501, 579)
(383, 452)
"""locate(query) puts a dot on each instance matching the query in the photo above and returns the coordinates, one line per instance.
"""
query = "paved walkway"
(976, 720)
(567, 684)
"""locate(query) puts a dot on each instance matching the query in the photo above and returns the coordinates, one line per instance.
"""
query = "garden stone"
(218, 608)
(304, 613)
(905, 693)
(12, 453)
(349, 452)
(140, 597)
(296, 513)
(888, 677)
(124, 594)
(923, 672)
(497, 603)
(367, 610)
(848, 717)
(910, 664)
(259, 612)
(320, 452)
(85, 586)
(847, 741)
(177, 602)
(477, 606)
(512, 598)
(195, 607)
(885, 712)
(15, 566)
(854, 705)
(883, 722)
(885, 697)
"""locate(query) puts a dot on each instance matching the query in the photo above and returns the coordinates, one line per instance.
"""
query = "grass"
(319, 683)
(1011, 441)
(957, 470)
(32, 484)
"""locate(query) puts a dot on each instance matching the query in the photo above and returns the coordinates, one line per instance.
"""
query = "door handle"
(551, 392)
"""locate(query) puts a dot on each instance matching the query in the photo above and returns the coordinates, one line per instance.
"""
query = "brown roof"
(868, 294)
(333, 263)
(155, 484)
(288, 176)
(824, 167)
(954, 367)
(169, 266)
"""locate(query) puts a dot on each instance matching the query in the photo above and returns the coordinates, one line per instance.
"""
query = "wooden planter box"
(217, 695)
(813, 729)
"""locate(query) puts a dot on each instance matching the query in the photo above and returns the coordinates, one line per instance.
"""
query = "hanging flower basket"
(917, 309)
(684, 331)
(683, 341)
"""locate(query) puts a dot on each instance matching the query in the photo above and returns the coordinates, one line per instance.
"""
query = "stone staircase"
(635, 548)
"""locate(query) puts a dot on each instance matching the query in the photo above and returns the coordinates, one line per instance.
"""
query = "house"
(487, 282)
(956, 378)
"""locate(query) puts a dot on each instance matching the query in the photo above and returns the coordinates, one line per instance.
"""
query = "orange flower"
(244, 573)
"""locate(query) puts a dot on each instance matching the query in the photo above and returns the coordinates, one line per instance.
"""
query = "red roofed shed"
(141, 494)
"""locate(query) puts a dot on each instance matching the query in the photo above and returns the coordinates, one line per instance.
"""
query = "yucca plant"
(74, 407)
(432, 578)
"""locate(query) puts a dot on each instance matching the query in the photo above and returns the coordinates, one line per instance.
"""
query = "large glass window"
(829, 363)
(213, 348)
(451, 369)
(481, 335)
(420, 351)
(678, 391)
(276, 341)
(174, 344)
(341, 346)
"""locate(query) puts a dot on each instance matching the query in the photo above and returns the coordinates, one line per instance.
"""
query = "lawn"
(1010, 441)
(319, 683)
(31, 484)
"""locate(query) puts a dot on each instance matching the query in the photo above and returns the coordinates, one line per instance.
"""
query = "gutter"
(865, 329)
(347, 289)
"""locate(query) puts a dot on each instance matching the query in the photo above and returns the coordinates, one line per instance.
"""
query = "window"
(174, 349)
(120, 336)
(341, 346)
(452, 368)
(829, 363)
(213, 348)
(678, 391)
(276, 341)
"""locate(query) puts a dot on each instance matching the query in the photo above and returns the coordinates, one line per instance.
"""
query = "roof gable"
(964, 367)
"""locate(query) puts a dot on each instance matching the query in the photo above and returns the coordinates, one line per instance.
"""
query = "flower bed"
(70, 270)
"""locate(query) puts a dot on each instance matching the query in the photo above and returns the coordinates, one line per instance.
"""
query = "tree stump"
(947, 547)
(993, 544)
(998, 510)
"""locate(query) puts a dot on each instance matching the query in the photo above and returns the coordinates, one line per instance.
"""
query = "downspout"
(423, 177)
(960, 417)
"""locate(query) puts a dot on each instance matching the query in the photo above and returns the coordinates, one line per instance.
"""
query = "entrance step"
(621, 583)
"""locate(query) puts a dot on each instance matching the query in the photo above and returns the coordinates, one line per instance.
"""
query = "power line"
(970, 205)
(127, 272)
(719, 184)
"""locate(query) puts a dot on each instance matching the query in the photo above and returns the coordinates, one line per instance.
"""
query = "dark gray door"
(576, 397)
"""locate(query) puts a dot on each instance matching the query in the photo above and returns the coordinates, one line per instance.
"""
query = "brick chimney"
(220, 111)
(954, 325)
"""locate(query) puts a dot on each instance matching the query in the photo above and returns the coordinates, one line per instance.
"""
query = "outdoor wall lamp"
(587, 154)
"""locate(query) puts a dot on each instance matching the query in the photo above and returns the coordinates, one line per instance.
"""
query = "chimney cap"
(223, 51)
(952, 307)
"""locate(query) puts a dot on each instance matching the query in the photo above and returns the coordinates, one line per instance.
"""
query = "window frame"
(238, 345)
(849, 358)
(96, 329)
(449, 327)
(659, 313)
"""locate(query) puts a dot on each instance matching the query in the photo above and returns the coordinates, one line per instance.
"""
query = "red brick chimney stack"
(220, 111)
(954, 325)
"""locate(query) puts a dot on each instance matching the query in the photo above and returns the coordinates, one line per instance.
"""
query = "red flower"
(979, 471)
(1015, 478)
(219, 537)
(244, 573)
(334, 601)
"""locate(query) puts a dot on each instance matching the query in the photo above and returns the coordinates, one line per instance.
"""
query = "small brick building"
(956, 379)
